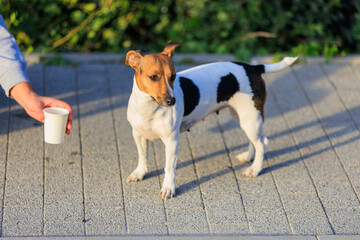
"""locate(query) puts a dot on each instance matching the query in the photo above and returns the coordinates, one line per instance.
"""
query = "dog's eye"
(154, 77)
(172, 78)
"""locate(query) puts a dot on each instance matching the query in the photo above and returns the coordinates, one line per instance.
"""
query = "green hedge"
(243, 27)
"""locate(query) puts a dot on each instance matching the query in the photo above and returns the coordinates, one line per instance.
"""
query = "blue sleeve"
(12, 62)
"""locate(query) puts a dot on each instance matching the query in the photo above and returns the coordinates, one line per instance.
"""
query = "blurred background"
(241, 27)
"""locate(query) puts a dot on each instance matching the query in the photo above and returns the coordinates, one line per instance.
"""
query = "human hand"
(34, 104)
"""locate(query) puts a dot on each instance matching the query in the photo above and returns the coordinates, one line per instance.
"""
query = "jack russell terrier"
(164, 103)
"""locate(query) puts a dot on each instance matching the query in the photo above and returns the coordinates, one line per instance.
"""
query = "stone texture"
(308, 189)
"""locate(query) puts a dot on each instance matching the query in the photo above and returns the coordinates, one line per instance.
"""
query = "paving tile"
(60, 82)
(61, 158)
(268, 221)
(293, 178)
(63, 178)
(64, 229)
(212, 166)
(260, 194)
(187, 221)
(336, 193)
(219, 182)
(24, 193)
(101, 166)
(150, 184)
(105, 221)
(144, 209)
(325, 165)
(97, 133)
(354, 176)
(20, 221)
(306, 214)
(147, 229)
(230, 211)
(67, 208)
(103, 194)
(24, 166)
(230, 229)
(102, 180)
(345, 220)
(188, 195)
(25, 132)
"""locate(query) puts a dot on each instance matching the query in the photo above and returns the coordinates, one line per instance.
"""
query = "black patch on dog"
(191, 95)
(227, 87)
(257, 84)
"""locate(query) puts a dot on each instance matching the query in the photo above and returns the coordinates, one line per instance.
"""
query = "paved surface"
(309, 187)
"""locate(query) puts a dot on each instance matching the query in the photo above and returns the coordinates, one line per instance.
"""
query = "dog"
(164, 103)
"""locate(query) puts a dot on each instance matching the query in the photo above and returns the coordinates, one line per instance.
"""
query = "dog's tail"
(274, 67)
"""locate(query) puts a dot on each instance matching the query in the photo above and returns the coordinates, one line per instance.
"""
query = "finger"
(68, 126)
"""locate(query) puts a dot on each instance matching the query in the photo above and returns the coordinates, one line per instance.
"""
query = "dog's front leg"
(140, 171)
(171, 152)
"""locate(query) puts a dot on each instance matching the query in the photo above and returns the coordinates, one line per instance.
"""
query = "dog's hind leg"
(141, 169)
(251, 122)
(249, 154)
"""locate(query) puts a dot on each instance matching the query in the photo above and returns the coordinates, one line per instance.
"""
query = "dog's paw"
(251, 172)
(137, 175)
(168, 189)
(244, 157)
(167, 192)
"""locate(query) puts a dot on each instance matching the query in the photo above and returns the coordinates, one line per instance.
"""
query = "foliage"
(242, 27)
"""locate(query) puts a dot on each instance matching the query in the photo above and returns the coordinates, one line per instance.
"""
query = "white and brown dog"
(164, 103)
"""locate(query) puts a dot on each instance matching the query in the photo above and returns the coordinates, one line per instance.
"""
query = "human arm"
(14, 80)
(12, 62)
(34, 104)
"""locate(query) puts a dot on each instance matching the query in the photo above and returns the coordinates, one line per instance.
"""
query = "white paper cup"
(55, 124)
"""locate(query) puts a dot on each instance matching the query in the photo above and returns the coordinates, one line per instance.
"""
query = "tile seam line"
(159, 180)
(281, 200)
(326, 132)
(197, 179)
(233, 171)
(44, 160)
(77, 88)
(5, 169)
(117, 145)
(298, 150)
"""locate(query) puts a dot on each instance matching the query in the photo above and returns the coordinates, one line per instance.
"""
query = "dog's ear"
(133, 58)
(170, 48)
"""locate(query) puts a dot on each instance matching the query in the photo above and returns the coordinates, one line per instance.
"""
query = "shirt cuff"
(12, 77)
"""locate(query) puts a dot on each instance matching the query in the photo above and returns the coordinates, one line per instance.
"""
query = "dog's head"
(155, 73)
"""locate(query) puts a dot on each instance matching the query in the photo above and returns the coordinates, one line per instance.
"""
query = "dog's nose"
(170, 101)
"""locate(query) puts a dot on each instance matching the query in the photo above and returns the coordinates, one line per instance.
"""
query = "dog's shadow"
(342, 129)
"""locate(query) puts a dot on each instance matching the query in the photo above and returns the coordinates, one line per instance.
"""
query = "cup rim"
(62, 111)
